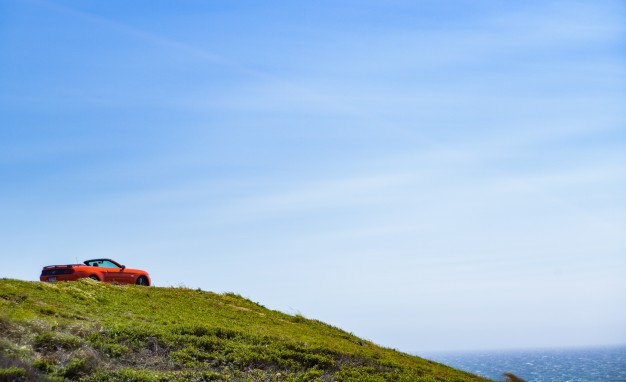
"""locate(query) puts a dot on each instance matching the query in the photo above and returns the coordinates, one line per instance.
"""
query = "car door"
(114, 273)
(125, 276)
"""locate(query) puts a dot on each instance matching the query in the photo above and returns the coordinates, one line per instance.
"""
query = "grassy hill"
(92, 331)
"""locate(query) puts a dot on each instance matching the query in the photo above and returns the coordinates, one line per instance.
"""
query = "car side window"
(102, 263)
(108, 264)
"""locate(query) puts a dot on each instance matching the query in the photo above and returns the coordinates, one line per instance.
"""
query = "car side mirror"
(123, 267)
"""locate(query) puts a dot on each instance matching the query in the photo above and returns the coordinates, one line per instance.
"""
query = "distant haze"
(428, 175)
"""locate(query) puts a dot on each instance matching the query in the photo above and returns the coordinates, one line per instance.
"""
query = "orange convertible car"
(97, 269)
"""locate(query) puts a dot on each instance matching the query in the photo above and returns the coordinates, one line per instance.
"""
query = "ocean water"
(606, 364)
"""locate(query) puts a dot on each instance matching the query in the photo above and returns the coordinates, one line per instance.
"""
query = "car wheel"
(94, 277)
(142, 280)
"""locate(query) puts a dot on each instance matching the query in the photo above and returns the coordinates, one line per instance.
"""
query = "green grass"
(91, 331)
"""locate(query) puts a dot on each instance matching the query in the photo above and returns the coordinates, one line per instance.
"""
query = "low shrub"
(50, 342)
(15, 370)
(78, 367)
(45, 365)
(12, 373)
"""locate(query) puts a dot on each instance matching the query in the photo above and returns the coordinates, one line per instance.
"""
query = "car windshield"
(102, 263)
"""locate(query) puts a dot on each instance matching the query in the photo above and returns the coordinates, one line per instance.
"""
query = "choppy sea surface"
(607, 364)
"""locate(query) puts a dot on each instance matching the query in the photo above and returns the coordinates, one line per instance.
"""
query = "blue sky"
(428, 175)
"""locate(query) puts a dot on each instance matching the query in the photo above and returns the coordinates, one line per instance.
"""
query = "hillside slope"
(92, 331)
